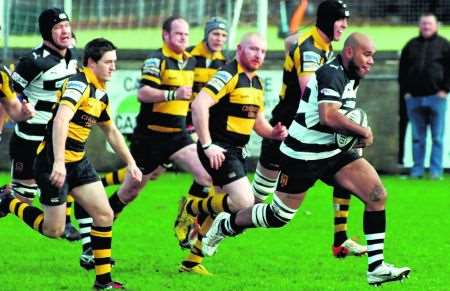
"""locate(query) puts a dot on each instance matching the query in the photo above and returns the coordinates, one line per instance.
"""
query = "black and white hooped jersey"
(308, 139)
(37, 77)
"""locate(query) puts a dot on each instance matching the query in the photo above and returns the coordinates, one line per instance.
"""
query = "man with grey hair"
(424, 78)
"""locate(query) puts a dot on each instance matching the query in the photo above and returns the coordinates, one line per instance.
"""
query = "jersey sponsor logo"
(334, 66)
(89, 121)
(329, 92)
(76, 85)
(151, 66)
(284, 180)
(19, 79)
(220, 80)
(252, 110)
(231, 175)
(54, 200)
(18, 166)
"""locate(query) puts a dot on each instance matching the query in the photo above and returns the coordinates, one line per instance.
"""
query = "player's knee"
(384, 196)
(203, 179)
(242, 201)
(53, 231)
(273, 215)
(104, 216)
(377, 198)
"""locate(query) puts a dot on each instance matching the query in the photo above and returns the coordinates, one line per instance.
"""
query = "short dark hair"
(167, 24)
(96, 48)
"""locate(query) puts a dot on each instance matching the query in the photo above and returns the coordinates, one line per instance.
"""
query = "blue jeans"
(424, 111)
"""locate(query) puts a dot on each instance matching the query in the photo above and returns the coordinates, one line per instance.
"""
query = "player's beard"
(248, 67)
(353, 70)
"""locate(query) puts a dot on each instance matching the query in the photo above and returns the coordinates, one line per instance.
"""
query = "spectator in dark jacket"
(424, 77)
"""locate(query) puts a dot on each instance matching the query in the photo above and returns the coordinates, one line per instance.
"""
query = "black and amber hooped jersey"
(309, 53)
(207, 64)
(6, 91)
(86, 96)
(239, 99)
(165, 70)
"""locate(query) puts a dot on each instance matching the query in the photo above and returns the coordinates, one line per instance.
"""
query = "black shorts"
(22, 153)
(297, 176)
(151, 151)
(270, 154)
(78, 173)
(232, 168)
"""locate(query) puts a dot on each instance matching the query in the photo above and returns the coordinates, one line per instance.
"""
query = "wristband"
(206, 146)
(170, 95)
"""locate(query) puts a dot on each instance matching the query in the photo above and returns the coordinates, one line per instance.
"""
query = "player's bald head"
(357, 39)
(251, 37)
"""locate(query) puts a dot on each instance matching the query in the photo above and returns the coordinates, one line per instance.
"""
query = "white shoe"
(349, 248)
(387, 273)
(354, 248)
(214, 236)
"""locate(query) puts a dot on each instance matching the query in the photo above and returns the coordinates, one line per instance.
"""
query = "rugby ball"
(357, 115)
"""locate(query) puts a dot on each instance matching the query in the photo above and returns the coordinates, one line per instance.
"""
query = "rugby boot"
(387, 273)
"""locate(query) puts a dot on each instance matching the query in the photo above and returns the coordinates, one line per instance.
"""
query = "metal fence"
(88, 14)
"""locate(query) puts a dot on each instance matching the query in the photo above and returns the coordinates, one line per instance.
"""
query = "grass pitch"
(297, 257)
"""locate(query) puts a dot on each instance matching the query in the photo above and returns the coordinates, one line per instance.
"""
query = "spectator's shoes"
(387, 273)
(109, 286)
(197, 269)
(436, 177)
(71, 233)
(349, 248)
